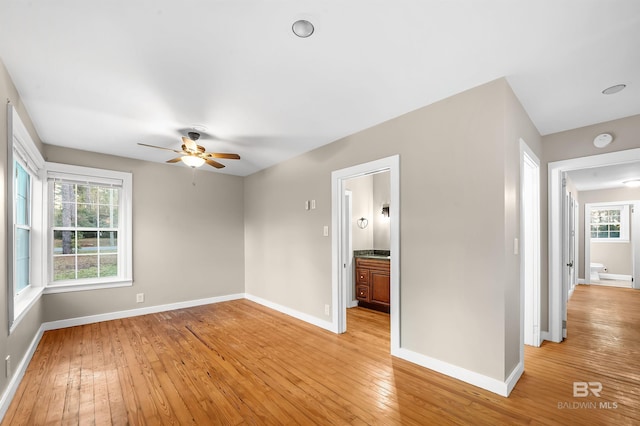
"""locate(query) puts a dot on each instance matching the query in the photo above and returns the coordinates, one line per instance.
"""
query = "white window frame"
(624, 221)
(82, 174)
(23, 150)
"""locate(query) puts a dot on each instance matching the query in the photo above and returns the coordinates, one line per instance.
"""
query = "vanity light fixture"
(632, 183)
(302, 28)
(602, 140)
(362, 223)
(385, 210)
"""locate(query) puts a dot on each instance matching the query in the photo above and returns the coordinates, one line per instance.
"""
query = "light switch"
(313, 204)
(516, 246)
(325, 231)
(306, 205)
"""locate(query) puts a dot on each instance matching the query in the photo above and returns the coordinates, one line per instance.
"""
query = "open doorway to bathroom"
(366, 243)
(596, 179)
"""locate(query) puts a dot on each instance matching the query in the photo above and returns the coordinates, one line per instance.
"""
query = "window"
(21, 228)
(25, 216)
(609, 223)
(89, 221)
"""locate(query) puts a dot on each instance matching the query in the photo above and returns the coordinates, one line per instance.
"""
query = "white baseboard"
(618, 277)
(467, 376)
(582, 281)
(327, 325)
(352, 304)
(545, 335)
(72, 322)
(12, 388)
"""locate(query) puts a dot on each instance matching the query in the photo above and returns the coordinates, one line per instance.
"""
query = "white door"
(568, 254)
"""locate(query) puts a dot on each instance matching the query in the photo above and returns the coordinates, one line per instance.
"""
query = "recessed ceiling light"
(602, 140)
(614, 89)
(633, 183)
(302, 28)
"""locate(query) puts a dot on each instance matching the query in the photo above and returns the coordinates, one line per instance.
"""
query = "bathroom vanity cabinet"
(373, 283)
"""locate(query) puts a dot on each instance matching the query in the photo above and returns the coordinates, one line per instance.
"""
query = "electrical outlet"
(326, 309)
(140, 298)
(7, 366)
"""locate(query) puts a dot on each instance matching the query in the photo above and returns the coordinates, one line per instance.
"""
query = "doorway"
(341, 275)
(557, 305)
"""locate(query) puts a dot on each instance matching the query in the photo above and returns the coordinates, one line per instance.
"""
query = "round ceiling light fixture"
(302, 28)
(614, 89)
(602, 140)
(633, 183)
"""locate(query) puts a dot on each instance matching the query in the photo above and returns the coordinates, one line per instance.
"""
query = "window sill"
(96, 285)
(26, 302)
(611, 240)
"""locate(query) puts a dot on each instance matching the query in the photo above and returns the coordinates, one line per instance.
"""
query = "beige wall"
(616, 256)
(571, 144)
(361, 188)
(188, 241)
(460, 281)
(18, 342)
(381, 225)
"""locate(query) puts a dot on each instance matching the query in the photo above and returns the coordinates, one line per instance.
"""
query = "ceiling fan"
(194, 155)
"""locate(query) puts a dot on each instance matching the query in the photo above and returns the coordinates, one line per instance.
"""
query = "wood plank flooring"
(241, 363)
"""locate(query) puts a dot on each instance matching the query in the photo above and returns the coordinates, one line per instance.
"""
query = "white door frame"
(530, 240)
(339, 286)
(556, 193)
(347, 240)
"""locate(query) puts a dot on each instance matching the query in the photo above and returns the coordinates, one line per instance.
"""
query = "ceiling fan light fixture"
(192, 161)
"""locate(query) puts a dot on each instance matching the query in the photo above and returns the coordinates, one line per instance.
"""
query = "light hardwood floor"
(241, 363)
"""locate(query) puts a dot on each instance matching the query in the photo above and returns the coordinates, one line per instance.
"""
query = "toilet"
(596, 268)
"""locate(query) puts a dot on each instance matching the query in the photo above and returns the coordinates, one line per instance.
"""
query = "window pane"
(64, 242)
(22, 196)
(64, 268)
(108, 217)
(87, 242)
(108, 242)
(22, 258)
(108, 196)
(87, 266)
(594, 234)
(87, 215)
(109, 265)
(603, 235)
(614, 234)
(87, 194)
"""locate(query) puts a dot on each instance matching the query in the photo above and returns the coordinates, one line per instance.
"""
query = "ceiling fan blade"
(191, 145)
(159, 147)
(213, 163)
(174, 160)
(221, 155)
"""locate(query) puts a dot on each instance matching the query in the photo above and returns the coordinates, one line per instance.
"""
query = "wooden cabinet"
(373, 283)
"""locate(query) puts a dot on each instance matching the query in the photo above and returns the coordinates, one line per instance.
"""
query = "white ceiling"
(103, 76)
(605, 177)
